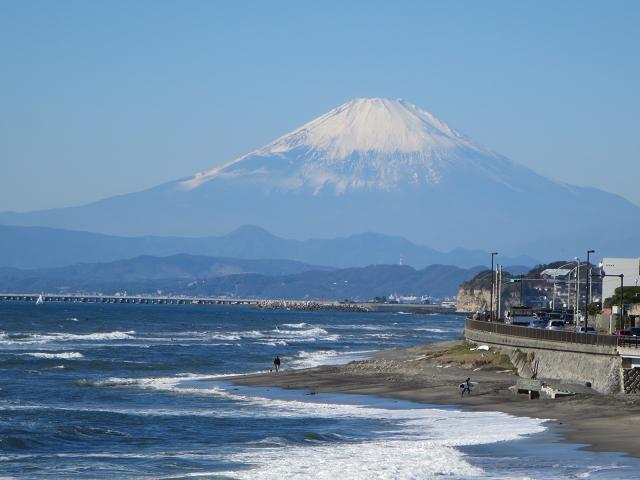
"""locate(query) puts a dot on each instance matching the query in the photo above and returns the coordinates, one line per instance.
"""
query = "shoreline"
(593, 421)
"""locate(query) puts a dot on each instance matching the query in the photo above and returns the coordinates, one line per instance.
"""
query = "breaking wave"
(63, 355)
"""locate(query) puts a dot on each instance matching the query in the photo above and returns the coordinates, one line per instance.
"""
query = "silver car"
(555, 325)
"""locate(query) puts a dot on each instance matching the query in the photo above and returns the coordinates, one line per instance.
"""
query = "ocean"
(114, 391)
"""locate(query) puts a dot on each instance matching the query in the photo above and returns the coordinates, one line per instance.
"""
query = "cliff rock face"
(473, 300)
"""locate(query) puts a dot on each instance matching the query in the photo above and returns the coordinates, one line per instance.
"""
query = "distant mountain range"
(371, 165)
(198, 275)
(42, 247)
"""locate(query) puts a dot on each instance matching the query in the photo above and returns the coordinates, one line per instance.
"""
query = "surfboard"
(472, 385)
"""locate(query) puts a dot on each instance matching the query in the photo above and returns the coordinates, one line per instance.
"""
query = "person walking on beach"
(276, 363)
(466, 387)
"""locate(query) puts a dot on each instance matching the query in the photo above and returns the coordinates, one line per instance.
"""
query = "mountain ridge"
(446, 193)
(206, 276)
(45, 247)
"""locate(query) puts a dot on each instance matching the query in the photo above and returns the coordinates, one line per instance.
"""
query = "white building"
(629, 267)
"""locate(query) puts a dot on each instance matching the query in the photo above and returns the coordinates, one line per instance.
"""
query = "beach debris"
(547, 391)
(481, 348)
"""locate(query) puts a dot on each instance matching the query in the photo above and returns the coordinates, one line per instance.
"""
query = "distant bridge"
(135, 299)
(180, 300)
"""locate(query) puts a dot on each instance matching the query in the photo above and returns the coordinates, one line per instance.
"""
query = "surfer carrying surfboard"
(466, 387)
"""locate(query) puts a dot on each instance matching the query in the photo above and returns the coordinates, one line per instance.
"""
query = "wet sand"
(609, 423)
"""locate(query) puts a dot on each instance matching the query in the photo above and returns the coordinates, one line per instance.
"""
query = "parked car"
(555, 325)
(635, 331)
(585, 330)
(520, 320)
(623, 333)
(538, 324)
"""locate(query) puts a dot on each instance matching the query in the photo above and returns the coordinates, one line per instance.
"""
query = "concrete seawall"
(599, 365)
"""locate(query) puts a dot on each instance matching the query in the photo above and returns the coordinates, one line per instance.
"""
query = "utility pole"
(576, 310)
(499, 292)
(493, 254)
(621, 301)
(587, 292)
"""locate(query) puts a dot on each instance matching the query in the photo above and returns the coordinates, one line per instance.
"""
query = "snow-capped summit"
(372, 124)
(369, 165)
(365, 143)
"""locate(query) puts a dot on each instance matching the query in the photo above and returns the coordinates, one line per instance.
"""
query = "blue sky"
(103, 98)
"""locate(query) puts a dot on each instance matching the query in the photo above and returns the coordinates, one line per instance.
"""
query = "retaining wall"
(601, 365)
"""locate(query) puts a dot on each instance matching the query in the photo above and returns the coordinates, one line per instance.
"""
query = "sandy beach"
(423, 374)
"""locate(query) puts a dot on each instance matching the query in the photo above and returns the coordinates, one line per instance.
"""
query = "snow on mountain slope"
(365, 143)
(370, 165)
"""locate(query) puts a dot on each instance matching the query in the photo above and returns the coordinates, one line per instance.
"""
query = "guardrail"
(552, 335)
(628, 341)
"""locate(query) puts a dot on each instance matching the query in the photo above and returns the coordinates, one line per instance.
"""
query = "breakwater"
(310, 306)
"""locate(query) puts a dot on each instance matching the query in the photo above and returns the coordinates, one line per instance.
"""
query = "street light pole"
(577, 304)
(621, 301)
(493, 254)
(587, 292)
(499, 292)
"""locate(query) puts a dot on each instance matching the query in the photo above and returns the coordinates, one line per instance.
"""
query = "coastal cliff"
(475, 295)
(472, 300)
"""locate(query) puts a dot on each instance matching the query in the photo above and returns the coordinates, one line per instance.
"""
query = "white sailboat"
(40, 300)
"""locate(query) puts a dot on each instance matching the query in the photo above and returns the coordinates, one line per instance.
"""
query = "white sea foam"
(422, 445)
(387, 459)
(432, 330)
(325, 357)
(360, 327)
(274, 343)
(421, 442)
(40, 338)
(63, 355)
(222, 336)
(299, 332)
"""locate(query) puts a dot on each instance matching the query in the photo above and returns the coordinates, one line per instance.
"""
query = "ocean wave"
(40, 338)
(312, 359)
(422, 445)
(304, 335)
(383, 335)
(360, 327)
(63, 355)
(274, 343)
(222, 336)
(432, 330)
(280, 336)
(316, 358)
(388, 459)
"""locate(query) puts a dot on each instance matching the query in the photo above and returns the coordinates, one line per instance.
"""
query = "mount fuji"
(371, 165)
